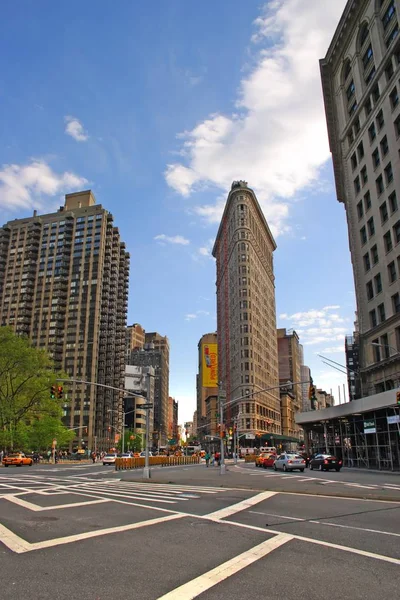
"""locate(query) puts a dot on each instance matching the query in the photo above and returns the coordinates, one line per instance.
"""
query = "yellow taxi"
(260, 458)
(18, 459)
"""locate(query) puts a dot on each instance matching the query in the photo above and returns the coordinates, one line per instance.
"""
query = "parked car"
(109, 459)
(269, 461)
(290, 462)
(17, 459)
(324, 462)
(144, 454)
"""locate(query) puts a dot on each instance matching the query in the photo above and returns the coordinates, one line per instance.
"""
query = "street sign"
(146, 406)
(369, 426)
(250, 436)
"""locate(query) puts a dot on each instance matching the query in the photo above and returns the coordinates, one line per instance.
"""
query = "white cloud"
(196, 315)
(277, 139)
(332, 350)
(74, 128)
(24, 186)
(174, 239)
(207, 249)
(316, 326)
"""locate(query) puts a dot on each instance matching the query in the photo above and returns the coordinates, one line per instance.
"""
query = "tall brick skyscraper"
(64, 284)
(246, 314)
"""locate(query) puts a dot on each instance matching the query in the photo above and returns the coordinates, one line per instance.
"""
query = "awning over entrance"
(271, 437)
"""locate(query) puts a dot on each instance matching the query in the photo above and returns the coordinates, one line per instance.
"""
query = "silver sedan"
(290, 462)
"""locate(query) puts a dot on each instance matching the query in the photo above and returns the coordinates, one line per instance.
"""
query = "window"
(370, 76)
(387, 239)
(376, 159)
(389, 71)
(384, 146)
(379, 184)
(353, 108)
(372, 318)
(393, 202)
(364, 175)
(371, 226)
(368, 54)
(368, 107)
(370, 290)
(372, 132)
(396, 303)
(357, 185)
(394, 97)
(377, 350)
(350, 91)
(367, 262)
(360, 210)
(367, 201)
(360, 151)
(381, 312)
(374, 255)
(397, 126)
(396, 232)
(363, 35)
(384, 212)
(354, 160)
(380, 120)
(350, 137)
(347, 70)
(389, 173)
(393, 35)
(392, 272)
(378, 283)
(363, 235)
(357, 126)
(388, 15)
(376, 93)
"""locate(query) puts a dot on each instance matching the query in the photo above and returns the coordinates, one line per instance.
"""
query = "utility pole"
(221, 397)
(148, 406)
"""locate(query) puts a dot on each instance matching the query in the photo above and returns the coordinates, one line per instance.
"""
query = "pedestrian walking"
(218, 458)
(207, 457)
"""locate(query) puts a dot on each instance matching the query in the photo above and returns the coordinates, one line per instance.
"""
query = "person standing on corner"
(207, 457)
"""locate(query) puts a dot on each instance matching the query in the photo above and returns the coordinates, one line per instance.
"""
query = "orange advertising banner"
(209, 357)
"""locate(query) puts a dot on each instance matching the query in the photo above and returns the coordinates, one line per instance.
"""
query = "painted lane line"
(19, 545)
(307, 479)
(243, 505)
(254, 512)
(388, 487)
(133, 494)
(381, 557)
(204, 582)
(37, 508)
(357, 485)
(357, 528)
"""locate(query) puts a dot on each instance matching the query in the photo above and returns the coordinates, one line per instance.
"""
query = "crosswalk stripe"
(144, 494)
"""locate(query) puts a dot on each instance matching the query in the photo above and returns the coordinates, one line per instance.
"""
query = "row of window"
(391, 205)
(378, 315)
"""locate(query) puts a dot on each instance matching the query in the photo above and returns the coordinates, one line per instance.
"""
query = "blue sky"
(157, 107)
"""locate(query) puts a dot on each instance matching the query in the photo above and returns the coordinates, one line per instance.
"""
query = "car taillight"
(340, 462)
(303, 461)
(325, 462)
(289, 461)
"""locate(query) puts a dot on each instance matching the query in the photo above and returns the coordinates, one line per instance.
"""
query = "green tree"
(40, 434)
(135, 444)
(26, 376)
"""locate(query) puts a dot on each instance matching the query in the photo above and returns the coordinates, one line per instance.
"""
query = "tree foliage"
(26, 376)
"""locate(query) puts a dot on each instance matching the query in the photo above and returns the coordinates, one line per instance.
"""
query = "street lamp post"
(123, 425)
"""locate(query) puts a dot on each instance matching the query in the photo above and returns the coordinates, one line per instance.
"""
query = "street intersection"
(87, 533)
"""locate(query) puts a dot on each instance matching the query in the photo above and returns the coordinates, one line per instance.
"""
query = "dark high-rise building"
(64, 284)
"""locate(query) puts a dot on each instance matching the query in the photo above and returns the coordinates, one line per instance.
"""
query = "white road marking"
(307, 479)
(204, 582)
(382, 557)
(357, 485)
(19, 545)
(243, 505)
(36, 508)
(254, 512)
(358, 528)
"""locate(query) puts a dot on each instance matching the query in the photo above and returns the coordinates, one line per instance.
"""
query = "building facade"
(139, 385)
(64, 284)
(135, 337)
(361, 86)
(290, 356)
(305, 373)
(246, 315)
(207, 378)
(159, 359)
(172, 420)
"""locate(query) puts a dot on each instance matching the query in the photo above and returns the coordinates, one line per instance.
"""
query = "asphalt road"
(83, 532)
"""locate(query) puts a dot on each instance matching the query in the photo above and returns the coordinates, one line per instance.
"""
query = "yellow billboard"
(209, 358)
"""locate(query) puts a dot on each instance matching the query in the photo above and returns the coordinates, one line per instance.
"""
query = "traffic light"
(60, 392)
(398, 398)
(230, 430)
(53, 392)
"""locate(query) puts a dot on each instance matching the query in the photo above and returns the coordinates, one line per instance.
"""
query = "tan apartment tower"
(246, 314)
(290, 355)
(207, 378)
(361, 85)
(135, 337)
(64, 284)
